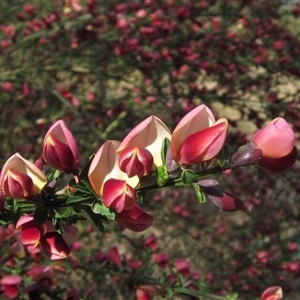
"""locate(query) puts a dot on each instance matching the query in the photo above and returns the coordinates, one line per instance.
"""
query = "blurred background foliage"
(103, 66)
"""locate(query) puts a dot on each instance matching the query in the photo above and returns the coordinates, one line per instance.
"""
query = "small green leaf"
(162, 175)
(7, 218)
(96, 218)
(79, 199)
(40, 215)
(188, 177)
(200, 195)
(99, 208)
(164, 149)
(63, 212)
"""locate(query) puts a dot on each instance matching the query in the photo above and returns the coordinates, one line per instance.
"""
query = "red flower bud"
(60, 149)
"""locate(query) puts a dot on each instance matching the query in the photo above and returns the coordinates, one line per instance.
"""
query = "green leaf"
(7, 218)
(188, 177)
(40, 215)
(164, 149)
(200, 195)
(96, 218)
(63, 212)
(224, 156)
(79, 199)
(162, 175)
(99, 208)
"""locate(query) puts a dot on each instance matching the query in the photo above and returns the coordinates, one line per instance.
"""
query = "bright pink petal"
(24, 220)
(197, 119)
(227, 202)
(279, 165)
(117, 194)
(10, 280)
(272, 293)
(30, 236)
(114, 256)
(203, 145)
(135, 219)
(276, 140)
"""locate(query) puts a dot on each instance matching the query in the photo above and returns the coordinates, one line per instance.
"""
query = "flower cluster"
(114, 183)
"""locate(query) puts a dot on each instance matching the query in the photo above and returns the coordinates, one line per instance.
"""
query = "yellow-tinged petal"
(105, 166)
(148, 134)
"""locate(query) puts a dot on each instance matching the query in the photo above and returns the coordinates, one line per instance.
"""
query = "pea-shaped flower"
(109, 181)
(140, 151)
(272, 148)
(276, 141)
(272, 293)
(20, 178)
(60, 149)
(198, 137)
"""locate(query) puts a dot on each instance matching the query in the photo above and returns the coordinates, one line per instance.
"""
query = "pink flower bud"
(197, 137)
(272, 293)
(136, 161)
(60, 149)
(276, 141)
(135, 219)
(114, 256)
(117, 194)
(10, 285)
(20, 178)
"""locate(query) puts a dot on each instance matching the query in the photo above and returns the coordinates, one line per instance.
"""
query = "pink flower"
(114, 256)
(276, 145)
(11, 284)
(272, 293)
(117, 194)
(60, 149)
(55, 245)
(108, 181)
(135, 219)
(20, 178)
(149, 135)
(198, 137)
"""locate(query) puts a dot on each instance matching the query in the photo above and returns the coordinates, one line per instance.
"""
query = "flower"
(60, 149)
(20, 178)
(272, 147)
(150, 135)
(108, 180)
(198, 137)
(11, 284)
(272, 293)
(55, 245)
(135, 219)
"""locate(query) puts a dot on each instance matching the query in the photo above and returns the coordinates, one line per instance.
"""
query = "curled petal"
(203, 145)
(136, 161)
(196, 120)
(60, 148)
(149, 134)
(135, 219)
(272, 293)
(117, 194)
(279, 165)
(276, 140)
(105, 166)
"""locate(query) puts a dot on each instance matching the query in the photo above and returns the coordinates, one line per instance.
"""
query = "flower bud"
(198, 138)
(20, 178)
(272, 293)
(136, 161)
(60, 149)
